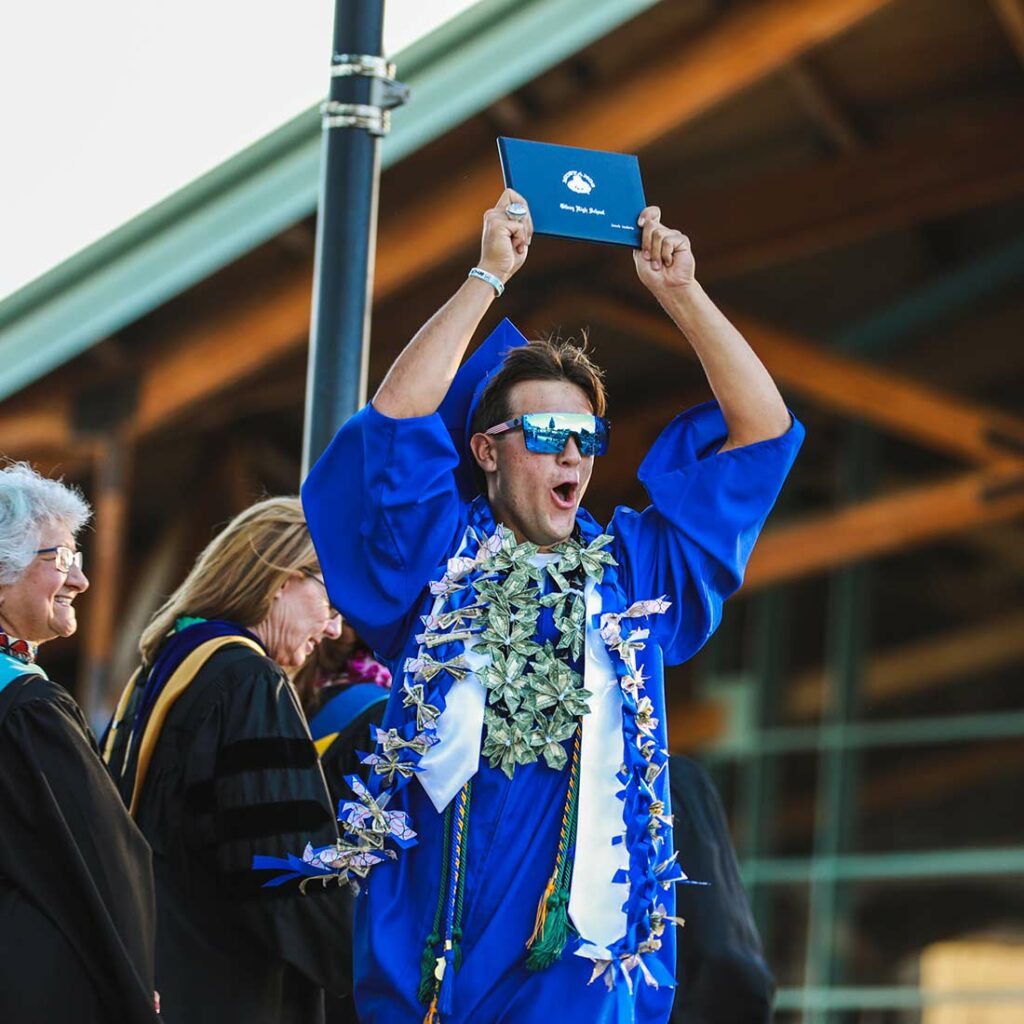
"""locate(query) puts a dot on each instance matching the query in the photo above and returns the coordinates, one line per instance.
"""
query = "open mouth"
(64, 599)
(565, 494)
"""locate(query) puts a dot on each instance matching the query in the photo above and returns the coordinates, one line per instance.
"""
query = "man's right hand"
(420, 377)
(506, 242)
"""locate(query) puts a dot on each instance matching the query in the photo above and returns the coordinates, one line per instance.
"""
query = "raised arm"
(749, 400)
(420, 377)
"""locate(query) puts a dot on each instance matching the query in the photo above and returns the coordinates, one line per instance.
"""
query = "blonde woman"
(77, 927)
(213, 757)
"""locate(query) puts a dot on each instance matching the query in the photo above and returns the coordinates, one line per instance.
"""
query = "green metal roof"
(454, 72)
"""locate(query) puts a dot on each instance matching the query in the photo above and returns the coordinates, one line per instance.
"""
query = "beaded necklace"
(21, 650)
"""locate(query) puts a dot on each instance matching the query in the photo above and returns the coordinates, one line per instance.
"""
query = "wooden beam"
(106, 554)
(845, 385)
(922, 665)
(796, 213)
(823, 108)
(223, 352)
(695, 724)
(893, 522)
(674, 90)
(1003, 546)
(35, 424)
(933, 778)
(1011, 16)
(903, 671)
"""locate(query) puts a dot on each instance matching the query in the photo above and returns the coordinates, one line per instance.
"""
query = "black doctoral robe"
(77, 920)
(234, 773)
(721, 973)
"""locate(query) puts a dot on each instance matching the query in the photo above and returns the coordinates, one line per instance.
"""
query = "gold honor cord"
(179, 682)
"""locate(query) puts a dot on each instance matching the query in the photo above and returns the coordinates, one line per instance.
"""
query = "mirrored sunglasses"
(63, 557)
(547, 433)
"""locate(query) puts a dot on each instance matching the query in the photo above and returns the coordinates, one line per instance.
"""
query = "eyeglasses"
(334, 613)
(547, 433)
(63, 557)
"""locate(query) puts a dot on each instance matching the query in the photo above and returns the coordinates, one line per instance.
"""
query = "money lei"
(535, 697)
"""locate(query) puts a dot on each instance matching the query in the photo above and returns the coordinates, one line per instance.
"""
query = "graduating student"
(77, 915)
(213, 757)
(517, 834)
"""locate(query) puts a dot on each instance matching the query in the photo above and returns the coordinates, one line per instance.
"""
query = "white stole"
(595, 901)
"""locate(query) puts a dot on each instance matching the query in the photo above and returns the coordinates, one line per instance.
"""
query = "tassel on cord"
(551, 926)
(437, 973)
(446, 991)
(428, 961)
(542, 909)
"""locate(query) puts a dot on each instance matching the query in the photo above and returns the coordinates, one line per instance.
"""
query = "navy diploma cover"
(576, 193)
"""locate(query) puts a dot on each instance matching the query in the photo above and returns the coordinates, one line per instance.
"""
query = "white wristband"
(494, 282)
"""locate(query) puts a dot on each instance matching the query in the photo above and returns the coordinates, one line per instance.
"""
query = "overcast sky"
(110, 106)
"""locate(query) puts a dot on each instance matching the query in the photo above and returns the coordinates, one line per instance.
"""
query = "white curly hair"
(28, 503)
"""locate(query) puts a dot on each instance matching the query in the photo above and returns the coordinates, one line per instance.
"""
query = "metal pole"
(355, 117)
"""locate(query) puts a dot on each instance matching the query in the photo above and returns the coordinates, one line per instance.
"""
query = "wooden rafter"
(1011, 15)
(738, 51)
(35, 425)
(933, 777)
(110, 498)
(922, 665)
(223, 352)
(850, 386)
(823, 108)
(882, 525)
(913, 668)
(845, 385)
(968, 163)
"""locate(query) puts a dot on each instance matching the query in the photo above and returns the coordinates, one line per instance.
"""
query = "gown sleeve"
(707, 508)
(68, 844)
(384, 511)
(254, 786)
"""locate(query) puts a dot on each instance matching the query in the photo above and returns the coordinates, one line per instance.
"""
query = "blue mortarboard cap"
(464, 395)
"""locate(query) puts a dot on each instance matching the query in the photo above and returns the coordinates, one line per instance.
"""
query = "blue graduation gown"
(385, 513)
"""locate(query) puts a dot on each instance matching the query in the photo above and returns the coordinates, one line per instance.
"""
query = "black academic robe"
(77, 917)
(234, 773)
(722, 976)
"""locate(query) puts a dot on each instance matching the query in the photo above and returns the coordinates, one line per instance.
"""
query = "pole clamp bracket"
(386, 93)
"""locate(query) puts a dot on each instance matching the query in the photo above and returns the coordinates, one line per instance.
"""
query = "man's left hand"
(664, 260)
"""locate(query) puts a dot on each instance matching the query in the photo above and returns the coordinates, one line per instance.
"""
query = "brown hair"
(551, 358)
(240, 570)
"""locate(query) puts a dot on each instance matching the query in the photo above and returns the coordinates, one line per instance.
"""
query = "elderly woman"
(214, 759)
(77, 921)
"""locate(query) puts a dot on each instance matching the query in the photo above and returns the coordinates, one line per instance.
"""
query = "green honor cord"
(552, 927)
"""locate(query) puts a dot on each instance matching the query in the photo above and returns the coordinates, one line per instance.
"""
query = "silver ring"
(515, 211)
